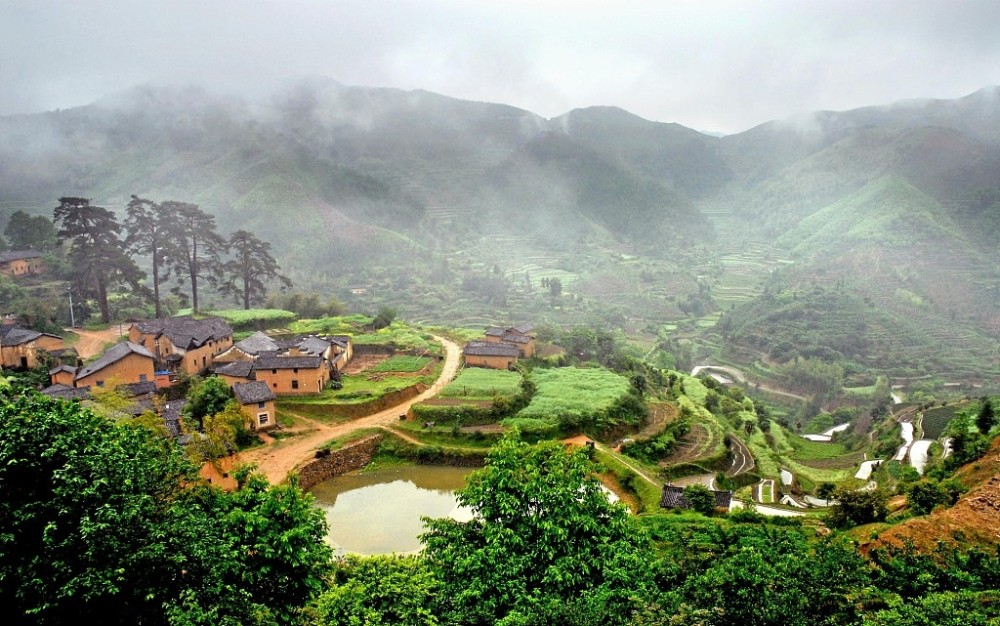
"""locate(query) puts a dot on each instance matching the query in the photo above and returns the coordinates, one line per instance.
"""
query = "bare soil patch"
(91, 342)
(361, 362)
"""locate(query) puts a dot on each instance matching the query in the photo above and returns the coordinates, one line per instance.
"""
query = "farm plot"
(571, 397)
(482, 383)
(936, 419)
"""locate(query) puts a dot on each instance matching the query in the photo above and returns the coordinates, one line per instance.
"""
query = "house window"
(295, 384)
(263, 418)
(260, 405)
(295, 370)
(100, 383)
(142, 378)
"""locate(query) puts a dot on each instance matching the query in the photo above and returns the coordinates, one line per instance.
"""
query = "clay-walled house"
(183, 343)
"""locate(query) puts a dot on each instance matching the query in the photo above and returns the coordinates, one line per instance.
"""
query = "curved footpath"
(277, 460)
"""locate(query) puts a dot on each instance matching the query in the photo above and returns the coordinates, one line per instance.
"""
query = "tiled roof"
(524, 329)
(673, 498)
(253, 392)
(14, 255)
(187, 332)
(257, 343)
(237, 369)
(172, 416)
(495, 331)
(139, 389)
(486, 348)
(313, 345)
(114, 354)
(287, 362)
(17, 335)
(65, 392)
(62, 368)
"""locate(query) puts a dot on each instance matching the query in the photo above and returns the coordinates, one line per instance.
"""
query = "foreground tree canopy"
(544, 541)
(107, 523)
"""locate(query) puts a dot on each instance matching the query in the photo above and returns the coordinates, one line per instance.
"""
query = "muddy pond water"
(378, 512)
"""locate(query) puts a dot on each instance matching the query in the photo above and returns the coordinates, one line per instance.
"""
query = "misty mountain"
(648, 222)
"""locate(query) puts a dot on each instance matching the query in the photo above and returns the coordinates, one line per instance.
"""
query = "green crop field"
(570, 397)
(402, 364)
(936, 419)
(479, 382)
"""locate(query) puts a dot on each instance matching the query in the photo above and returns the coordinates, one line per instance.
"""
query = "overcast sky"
(708, 64)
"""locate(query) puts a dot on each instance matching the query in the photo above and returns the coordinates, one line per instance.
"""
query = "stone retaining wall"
(347, 459)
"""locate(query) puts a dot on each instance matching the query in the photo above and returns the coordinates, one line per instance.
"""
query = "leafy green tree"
(105, 522)
(198, 245)
(986, 418)
(27, 232)
(96, 252)
(700, 498)
(855, 506)
(207, 396)
(924, 495)
(147, 226)
(542, 535)
(385, 316)
(251, 264)
(555, 287)
(942, 609)
(400, 590)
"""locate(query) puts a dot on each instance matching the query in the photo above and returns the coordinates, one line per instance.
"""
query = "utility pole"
(72, 318)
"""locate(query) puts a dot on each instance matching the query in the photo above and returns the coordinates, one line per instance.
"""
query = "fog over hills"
(431, 200)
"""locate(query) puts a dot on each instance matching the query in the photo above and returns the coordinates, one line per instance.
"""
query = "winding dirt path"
(278, 459)
(92, 342)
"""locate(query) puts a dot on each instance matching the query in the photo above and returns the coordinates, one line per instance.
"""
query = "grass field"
(483, 383)
(402, 364)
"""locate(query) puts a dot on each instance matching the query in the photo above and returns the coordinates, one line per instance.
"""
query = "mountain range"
(453, 210)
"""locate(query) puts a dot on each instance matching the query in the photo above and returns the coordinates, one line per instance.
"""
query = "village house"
(257, 402)
(248, 349)
(125, 362)
(292, 375)
(519, 336)
(20, 347)
(183, 343)
(21, 263)
(499, 356)
(335, 349)
(63, 375)
(234, 372)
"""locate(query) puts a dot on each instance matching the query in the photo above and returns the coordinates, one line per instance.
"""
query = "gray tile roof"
(487, 348)
(62, 368)
(313, 345)
(238, 369)
(65, 392)
(257, 343)
(253, 392)
(114, 354)
(17, 335)
(187, 332)
(287, 362)
(172, 416)
(14, 255)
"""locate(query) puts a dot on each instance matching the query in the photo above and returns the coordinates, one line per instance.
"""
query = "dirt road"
(279, 458)
(92, 342)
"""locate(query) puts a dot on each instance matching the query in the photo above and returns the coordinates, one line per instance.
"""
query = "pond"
(378, 512)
